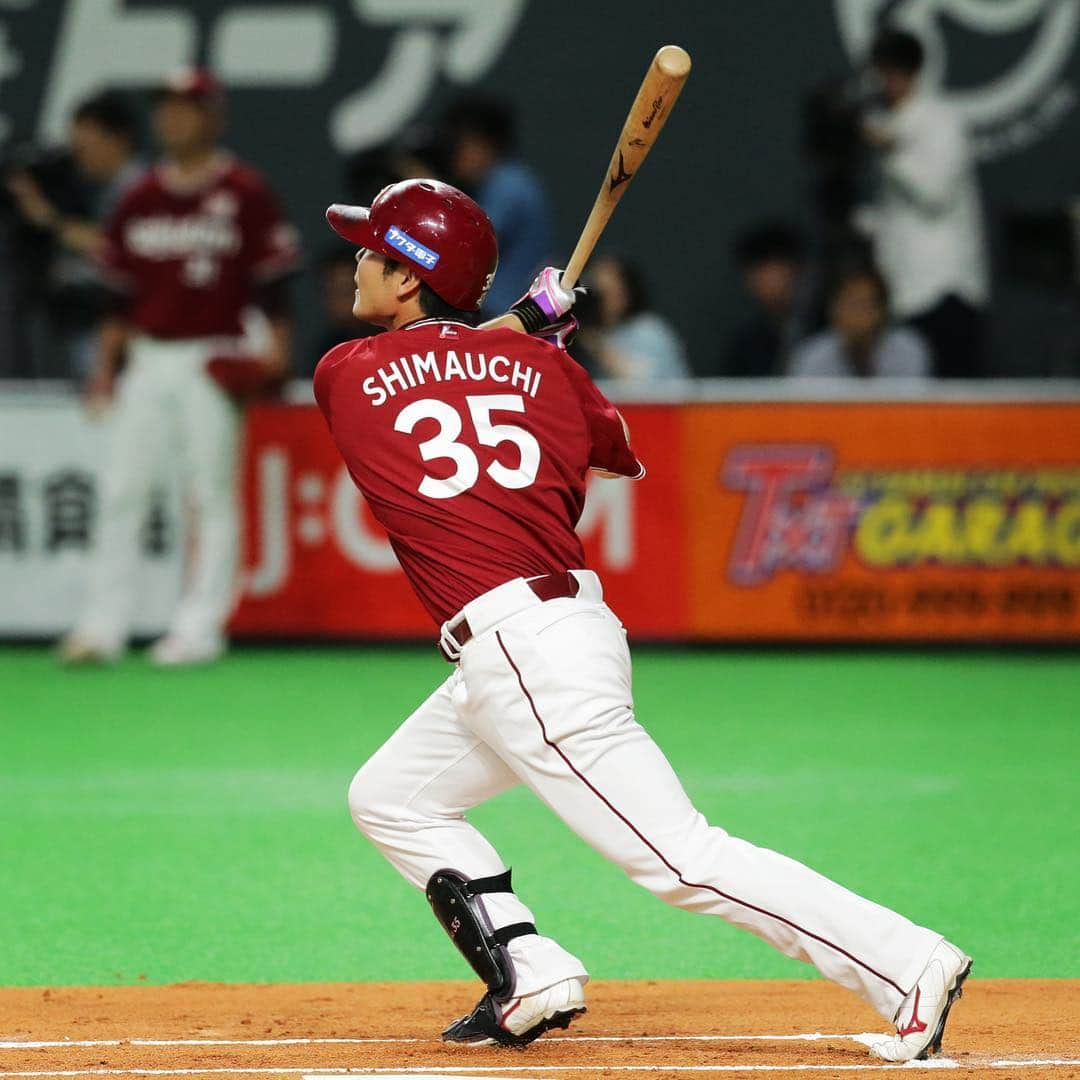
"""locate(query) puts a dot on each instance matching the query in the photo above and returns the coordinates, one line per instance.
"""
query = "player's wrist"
(531, 315)
(547, 304)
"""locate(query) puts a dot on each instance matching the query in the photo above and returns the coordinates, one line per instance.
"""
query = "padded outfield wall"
(931, 514)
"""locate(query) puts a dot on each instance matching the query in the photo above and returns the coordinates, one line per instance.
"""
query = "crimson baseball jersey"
(471, 447)
(189, 262)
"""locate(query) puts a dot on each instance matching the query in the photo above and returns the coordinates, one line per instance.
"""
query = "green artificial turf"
(193, 825)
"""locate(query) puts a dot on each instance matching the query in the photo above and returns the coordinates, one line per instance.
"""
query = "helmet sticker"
(411, 248)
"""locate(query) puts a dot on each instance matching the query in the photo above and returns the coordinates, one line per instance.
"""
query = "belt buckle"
(448, 644)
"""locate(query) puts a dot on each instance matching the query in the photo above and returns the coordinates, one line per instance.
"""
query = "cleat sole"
(559, 1020)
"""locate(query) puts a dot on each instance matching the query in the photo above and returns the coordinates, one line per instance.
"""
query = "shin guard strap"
(505, 934)
(495, 883)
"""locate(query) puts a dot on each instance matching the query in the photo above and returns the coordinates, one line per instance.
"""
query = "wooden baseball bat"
(659, 90)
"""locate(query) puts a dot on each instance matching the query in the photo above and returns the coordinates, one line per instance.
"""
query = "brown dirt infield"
(998, 1021)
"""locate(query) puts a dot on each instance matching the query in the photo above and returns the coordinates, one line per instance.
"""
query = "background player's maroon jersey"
(190, 262)
(471, 448)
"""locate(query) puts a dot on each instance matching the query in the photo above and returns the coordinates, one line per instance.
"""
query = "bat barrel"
(648, 114)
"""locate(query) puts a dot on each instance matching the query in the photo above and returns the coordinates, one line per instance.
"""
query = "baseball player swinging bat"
(472, 448)
(657, 95)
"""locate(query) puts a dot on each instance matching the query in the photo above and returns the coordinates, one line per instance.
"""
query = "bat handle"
(580, 256)
(573, 271)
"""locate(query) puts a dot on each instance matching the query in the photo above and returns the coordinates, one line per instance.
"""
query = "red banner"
(319, 564)
(785, 521)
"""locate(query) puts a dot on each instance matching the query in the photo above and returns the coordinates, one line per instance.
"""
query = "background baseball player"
(190, 248)
(471, 447)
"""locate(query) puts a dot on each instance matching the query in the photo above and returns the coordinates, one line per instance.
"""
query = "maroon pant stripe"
(656, 851)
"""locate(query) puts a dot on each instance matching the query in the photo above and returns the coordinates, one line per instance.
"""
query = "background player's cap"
(431, 227)
(195, 84)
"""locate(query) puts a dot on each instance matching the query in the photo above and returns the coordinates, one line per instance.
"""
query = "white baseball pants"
(168, 415)
(542, 697)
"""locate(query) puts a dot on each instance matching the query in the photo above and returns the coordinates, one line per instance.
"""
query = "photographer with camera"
(103, 141)
(928, 235)
(58, 201)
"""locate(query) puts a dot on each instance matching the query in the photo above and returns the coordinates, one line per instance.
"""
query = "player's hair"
(431, 303)
(897, 50)
(113, 113)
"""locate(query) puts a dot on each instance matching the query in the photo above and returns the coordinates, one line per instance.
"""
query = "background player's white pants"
(168, 415)
(543, 698)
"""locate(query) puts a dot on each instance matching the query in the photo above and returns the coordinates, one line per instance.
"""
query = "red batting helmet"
(434, 229)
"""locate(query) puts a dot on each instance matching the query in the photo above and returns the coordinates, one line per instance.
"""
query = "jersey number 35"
(445, 444)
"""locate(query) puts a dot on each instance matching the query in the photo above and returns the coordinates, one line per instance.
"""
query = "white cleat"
(171, 651)
(920, 1020)
(520, 1015)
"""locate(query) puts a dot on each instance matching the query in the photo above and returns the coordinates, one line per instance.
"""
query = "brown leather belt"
(548, 587)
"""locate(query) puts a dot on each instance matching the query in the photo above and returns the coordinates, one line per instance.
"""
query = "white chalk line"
(305, 1072)
(58, 1044)
(472, 1070)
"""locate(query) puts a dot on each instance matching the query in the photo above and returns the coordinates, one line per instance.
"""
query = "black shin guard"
(452, 897)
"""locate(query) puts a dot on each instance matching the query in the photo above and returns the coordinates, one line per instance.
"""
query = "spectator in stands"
(481, 158)
(771, 258)
(628, 340)
(928, 236)
(104, 141)
(337, 295)
(415, 152)
(859, 339)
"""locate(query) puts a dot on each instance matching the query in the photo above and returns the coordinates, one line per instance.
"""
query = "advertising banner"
(318, 563)
(766, 521)
(51, 458)
(869, 522)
